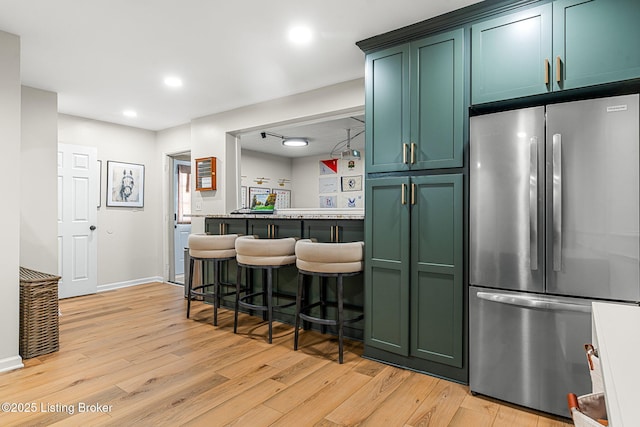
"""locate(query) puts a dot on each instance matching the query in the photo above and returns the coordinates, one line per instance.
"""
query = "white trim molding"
(11, 363)
(128, 283)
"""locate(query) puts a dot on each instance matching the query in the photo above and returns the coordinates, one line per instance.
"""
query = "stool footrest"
(329, 322)
(243, 303)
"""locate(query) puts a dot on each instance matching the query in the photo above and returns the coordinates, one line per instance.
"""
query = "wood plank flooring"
(129, 357)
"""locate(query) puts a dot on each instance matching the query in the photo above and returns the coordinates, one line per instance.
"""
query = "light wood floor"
(133, 352)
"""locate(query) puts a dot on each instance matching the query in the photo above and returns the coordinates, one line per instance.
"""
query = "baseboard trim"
(11, 363)
(128, 283)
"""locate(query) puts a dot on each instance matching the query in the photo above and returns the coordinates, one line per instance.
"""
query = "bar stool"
(264, 255)
(326, 260)
(209, 248)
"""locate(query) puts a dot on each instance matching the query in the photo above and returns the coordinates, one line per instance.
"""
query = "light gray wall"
(38, 181)
(129, 239)
(210, 135)
(10, 95)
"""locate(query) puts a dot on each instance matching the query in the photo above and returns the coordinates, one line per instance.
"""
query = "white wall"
(304, 176)
(38, 181)
(129, 240)
(305, 182)
(10, 95)
(210, 134)
(262, 165)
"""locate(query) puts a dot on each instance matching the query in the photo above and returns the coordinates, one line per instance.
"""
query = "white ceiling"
(324, 136)
(104, 56)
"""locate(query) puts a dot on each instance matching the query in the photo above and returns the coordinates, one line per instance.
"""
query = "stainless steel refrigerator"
(554, 225)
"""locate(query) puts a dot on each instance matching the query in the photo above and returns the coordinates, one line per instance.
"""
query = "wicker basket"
(39, 333)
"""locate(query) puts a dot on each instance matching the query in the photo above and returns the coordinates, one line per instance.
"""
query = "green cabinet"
(510, 55)
(595, 41)
(562, 45)
(225, 226)
(414, 267)
(332, 231)
(271, 228)
(414, 105)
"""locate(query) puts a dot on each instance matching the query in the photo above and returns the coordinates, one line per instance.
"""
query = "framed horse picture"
(125, 184)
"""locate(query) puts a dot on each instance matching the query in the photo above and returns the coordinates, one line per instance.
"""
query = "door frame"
(168, 251)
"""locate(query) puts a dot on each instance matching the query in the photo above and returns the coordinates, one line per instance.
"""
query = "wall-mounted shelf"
(206, 174)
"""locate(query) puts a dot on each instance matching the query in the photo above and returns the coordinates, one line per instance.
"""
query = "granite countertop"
(356, 214)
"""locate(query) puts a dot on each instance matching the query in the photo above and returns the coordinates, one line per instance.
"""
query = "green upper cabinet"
(511, 55)
(387, 109)
(595, 41)
(414, 105)
(566, 44)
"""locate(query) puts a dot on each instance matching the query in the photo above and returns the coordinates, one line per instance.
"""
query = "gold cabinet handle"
(404, 200)
(558, 69)
(546, 71)
(333, 233)
(413, 193)
(337, 233)
(404, 153)
(413, 153)
(220, 228)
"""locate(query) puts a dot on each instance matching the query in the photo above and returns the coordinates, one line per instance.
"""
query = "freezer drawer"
(528, 349)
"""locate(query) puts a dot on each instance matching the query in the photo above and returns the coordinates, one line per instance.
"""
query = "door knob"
(93, 227)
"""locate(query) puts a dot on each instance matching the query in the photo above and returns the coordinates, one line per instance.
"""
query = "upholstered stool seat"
(326, 260)
(215, 249)
(263, 255)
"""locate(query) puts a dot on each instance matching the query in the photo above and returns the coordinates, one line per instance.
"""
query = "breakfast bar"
(324, 226)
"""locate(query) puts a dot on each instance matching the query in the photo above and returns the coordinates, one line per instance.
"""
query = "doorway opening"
(181, 202)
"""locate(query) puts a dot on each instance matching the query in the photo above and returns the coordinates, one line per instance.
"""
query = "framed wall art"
(352, 183)
(125, 184)
(99, 192)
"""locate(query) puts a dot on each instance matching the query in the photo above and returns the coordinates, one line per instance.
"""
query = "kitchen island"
(323, 225)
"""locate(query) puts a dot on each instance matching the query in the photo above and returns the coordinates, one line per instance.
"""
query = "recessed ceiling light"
(130, 113)
(173, 81)
(300, 35)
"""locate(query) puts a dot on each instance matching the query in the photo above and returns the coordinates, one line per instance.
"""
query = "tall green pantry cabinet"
(414, 299)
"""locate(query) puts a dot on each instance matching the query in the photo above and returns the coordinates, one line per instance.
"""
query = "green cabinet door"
(436, 269)
(511, 55)
(595, 41)
(225, 226)
(437, 104)
(387, 106)
(387, 264)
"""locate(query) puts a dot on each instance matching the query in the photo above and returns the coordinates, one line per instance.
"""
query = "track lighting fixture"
(288, 141)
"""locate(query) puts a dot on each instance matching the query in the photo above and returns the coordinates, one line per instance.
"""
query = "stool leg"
(265, 274)
(340, 317)
(216, 290)
(269, 301)
(189, 286)
(237, 305)
(298, 309)
(323, 302)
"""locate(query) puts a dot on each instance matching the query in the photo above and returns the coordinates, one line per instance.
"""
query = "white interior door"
(77, 220)
(182, 207)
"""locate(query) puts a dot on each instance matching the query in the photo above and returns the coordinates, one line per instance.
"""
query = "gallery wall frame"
(125, 184)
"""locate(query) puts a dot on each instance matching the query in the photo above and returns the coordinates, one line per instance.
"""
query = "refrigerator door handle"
(532, 302)
(557, 202)
(533, 203)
